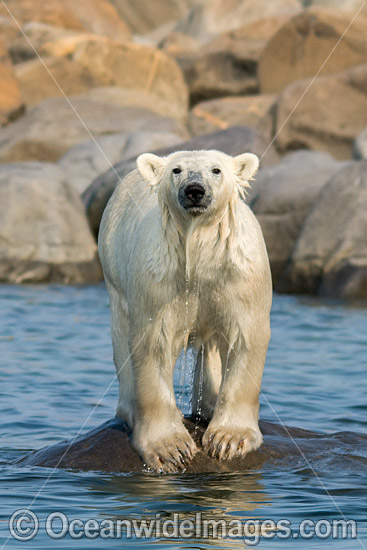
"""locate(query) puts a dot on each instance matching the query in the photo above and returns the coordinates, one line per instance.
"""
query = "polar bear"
(185, 263)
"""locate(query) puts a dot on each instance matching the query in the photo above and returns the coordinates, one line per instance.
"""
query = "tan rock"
(84, 61)
(11, 104)
(325, 115)
(36, 82)
(50, 128)
(220, 114)
(96, 16)
(303, 44)
(44, 235)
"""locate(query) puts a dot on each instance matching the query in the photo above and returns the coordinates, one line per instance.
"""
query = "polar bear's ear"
(246, 166)
(151, 167)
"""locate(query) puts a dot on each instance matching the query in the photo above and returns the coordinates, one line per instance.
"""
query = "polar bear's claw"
(169, 456)
(226, 444)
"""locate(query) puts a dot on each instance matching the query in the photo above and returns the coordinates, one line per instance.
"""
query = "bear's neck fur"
(185, 245)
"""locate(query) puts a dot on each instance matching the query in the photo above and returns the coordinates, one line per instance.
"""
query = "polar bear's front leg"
(159, 435)
(234, 429)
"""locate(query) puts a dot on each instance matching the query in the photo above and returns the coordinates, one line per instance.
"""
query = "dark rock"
(233, 141)
(107, 449)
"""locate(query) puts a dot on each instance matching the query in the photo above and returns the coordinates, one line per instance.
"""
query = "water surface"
(57, 379)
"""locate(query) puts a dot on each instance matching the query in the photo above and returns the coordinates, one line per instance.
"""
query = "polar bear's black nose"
(194, 192)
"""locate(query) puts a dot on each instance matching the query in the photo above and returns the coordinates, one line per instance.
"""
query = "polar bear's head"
(198, 182)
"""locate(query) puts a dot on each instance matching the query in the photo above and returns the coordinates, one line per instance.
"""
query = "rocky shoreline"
(87, 87)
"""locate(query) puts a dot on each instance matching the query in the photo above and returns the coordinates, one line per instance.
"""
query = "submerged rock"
(107, 449)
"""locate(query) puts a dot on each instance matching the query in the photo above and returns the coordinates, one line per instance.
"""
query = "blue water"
(57, 379)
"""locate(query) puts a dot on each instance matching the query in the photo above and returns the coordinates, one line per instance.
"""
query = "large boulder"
(96, 16)
(222, 113)
(11, 103)
(330, 256)
(219, 73)
(282, 196)
(53, 126)
(233, 141)
(85, 161)
(107, 448)
(207, 19)
(35, 83)
(325, 114)
(301, 47)
(98, 61)
(44, 235)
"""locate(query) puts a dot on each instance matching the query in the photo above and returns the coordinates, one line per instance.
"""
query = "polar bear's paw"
(167, 454)
(226, 443)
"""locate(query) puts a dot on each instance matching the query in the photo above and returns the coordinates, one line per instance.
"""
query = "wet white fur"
(170, 273)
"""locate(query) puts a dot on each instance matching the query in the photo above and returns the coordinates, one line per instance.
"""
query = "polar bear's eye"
(216, 171)
(177, 170)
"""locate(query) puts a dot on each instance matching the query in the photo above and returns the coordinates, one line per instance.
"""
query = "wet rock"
(85, 161)
(98, 61)
(96, 16)
(328, 117)
(233, 141)
(44, 235)
(299, 49)
(107, 449)
(52, 127)
(220, 114)
(282, 196)
(330, 256)
(11, 104)
(360, 145)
